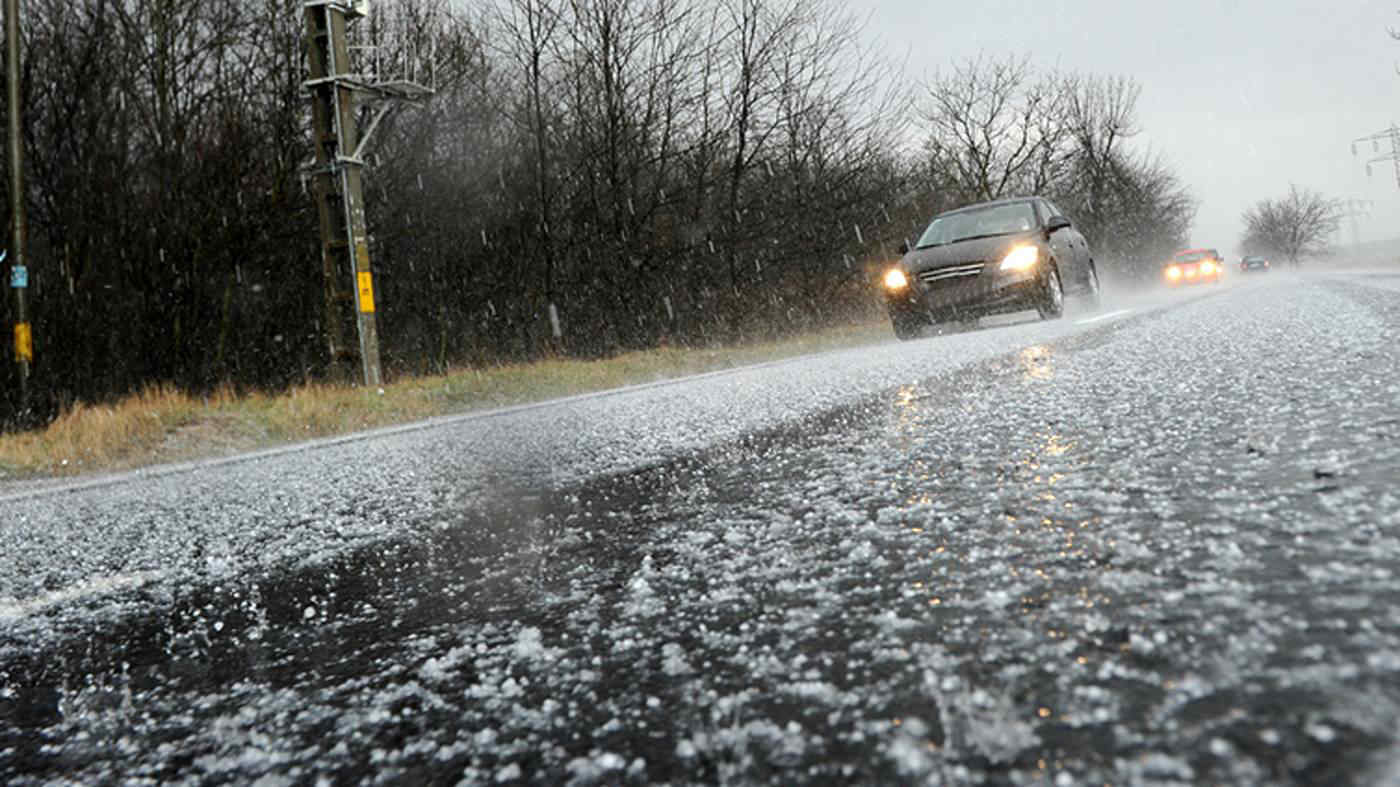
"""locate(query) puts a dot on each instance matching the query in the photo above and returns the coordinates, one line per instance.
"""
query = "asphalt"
(1151, 544)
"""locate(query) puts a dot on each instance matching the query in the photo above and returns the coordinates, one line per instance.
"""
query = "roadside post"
(24, 338)
(19, 272)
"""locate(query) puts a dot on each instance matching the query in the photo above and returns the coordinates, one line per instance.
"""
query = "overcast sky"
(1242, 97)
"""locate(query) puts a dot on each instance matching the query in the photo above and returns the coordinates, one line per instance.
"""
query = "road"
(1153, 544)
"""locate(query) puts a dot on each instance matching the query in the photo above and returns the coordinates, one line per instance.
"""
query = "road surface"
(1153, 544)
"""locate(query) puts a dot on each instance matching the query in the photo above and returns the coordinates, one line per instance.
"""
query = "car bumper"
(1187, 281)
(989, 292)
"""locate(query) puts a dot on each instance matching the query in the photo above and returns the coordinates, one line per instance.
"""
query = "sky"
(1241, 97)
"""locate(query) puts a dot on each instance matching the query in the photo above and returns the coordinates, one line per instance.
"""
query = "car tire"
(907, 327)
(1093, 295)
(1052, 297)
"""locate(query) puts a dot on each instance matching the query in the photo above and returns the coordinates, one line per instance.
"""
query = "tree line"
(591, 176)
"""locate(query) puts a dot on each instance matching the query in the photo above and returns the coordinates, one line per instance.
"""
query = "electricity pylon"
(1351, 210)
(1393, 135)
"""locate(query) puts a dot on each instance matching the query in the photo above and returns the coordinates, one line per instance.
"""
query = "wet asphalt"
(1152, 544)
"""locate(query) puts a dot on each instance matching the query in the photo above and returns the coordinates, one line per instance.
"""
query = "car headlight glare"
(1021, 258)
(1173, 272)
(896, 280)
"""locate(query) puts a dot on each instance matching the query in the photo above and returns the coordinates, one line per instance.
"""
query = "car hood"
(966, 251)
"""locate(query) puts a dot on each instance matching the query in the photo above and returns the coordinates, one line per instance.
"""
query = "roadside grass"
(162, 424)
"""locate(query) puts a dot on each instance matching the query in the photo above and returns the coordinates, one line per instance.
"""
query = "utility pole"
(337, 175)
(19, 273)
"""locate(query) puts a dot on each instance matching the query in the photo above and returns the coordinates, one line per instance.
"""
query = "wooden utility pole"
(338, 172)
(19, 273)
(337, 179)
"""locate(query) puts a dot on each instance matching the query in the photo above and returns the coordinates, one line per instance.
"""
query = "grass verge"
(162, 424)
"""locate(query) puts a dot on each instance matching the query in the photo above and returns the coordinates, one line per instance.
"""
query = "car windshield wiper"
(980, 237)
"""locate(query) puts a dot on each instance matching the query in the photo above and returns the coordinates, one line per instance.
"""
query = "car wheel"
(1052, 298)
(1094, 294)
(907, 327)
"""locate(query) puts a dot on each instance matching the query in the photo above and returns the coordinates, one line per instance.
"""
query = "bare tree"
(1101, 119)
(529, 28)
(1142, 214)
(997, 128)
(1000, 128)
(1294, 227)
(756, 31)
(839, 112)
(1129, 204)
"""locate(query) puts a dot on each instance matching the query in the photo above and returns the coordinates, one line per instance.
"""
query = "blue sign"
(19, 277)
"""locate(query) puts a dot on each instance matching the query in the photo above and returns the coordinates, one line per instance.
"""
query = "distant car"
(1254, 264)
(989, 258)
(1193, 266)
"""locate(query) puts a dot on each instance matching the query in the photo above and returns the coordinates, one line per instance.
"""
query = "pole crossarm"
(1393, 135)
(350, 10)
(1376, 138)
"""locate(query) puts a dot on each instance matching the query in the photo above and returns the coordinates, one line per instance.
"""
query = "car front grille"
(951, 272)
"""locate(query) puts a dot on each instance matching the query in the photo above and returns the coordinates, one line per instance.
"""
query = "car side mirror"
(1055, 224)
(904, 247)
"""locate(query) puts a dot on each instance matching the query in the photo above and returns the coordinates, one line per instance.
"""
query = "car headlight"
(1207, 267)
(1021, 258)
(896, 280)
(1173, 273)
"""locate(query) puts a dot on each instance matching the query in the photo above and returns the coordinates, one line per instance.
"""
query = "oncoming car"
(1254, 264)
(1193, 266)
(989, 258)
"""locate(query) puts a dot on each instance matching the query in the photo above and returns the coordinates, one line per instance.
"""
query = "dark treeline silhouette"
(645, 171)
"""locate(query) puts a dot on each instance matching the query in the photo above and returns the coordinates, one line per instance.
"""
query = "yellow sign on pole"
(366, 291)
(24, 342)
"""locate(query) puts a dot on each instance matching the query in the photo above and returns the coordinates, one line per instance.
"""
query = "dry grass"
(85, 437)
(161, 424)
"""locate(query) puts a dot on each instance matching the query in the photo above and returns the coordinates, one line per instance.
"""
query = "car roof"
(989, 204)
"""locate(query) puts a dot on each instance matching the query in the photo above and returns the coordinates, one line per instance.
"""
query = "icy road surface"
(1157, 544)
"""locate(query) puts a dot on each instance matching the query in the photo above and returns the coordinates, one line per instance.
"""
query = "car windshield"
(1193, 256)
(1004, 219)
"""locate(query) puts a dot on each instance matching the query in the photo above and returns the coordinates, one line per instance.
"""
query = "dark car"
(1254, 264)
(990, 258)
(1193, 266)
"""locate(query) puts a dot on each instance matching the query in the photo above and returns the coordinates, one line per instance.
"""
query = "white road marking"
(1106, 316)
